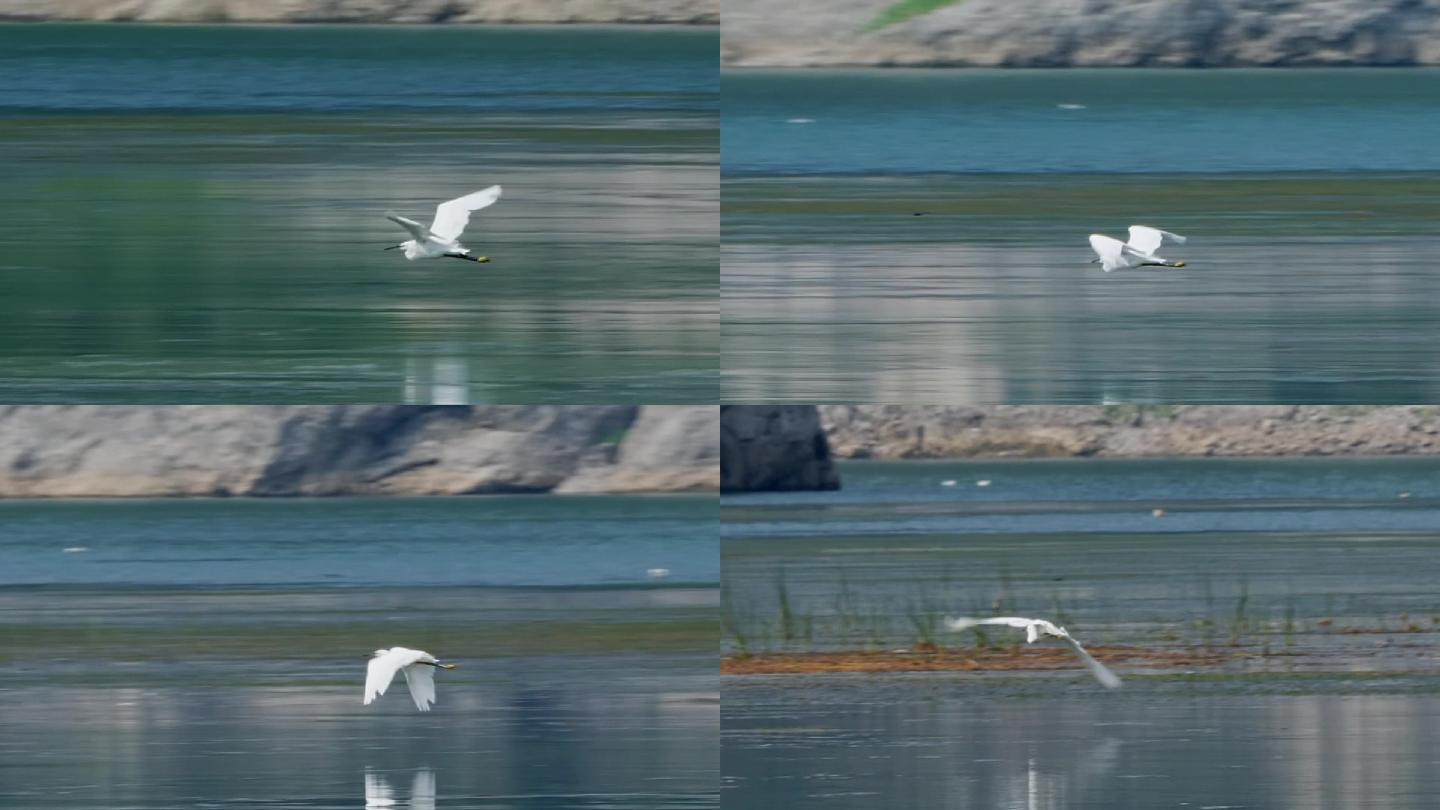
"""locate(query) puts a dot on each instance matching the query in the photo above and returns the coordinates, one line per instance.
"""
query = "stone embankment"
(686, 12)
(1081, 33)
(261, 450)
(895, 431)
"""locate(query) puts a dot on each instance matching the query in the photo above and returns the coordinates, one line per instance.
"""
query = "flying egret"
(1033, 628)
(1138, 252)
(419, 668)
(443, 236)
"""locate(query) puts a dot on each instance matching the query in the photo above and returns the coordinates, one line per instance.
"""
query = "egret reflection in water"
(379, 793)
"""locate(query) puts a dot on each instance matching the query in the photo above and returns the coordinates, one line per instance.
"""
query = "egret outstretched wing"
(378, 674)
(417, 231)
(1110, 250)
(452, 217)
(964, 623)
(1033, 628)
(1148, 240)
(421, 679)
(1107, 679)
(382, 668)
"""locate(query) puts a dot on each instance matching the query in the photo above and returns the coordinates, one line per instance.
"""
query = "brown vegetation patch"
(981, 660)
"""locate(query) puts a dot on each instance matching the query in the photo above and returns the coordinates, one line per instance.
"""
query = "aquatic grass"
(1240, 620)
(1058, 613)
(845, 604)
(924, 617)
(730, 624)
(786, 616)
(903, 10)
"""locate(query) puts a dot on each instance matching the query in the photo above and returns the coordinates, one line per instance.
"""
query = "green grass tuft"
(905, 9)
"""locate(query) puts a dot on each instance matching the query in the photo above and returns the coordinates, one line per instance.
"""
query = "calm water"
(196, 214)
(1250, 556)
(895, 550)
(211, 653)
(501, 541)
(942, 741)
(1310, 197)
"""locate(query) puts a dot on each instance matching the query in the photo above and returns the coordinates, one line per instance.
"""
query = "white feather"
(1033, 629)
(415, 664)
(452, 216)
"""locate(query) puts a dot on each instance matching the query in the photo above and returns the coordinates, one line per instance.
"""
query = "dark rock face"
(774, 448)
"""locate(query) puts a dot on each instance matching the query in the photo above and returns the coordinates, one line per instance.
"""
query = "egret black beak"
(393, 247)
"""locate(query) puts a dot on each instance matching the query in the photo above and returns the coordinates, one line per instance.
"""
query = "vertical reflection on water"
(441, 377)
(378, 792)
(969, 741)
(633, 730)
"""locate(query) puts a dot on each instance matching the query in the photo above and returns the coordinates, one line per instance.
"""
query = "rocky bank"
(212, 450)
(1082, 33)
(773, 447)
(689, 12)
(898, 431)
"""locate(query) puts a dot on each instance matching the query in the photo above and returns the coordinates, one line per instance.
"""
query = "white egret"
(417, 665)
(1033, 628)
(443, 236)
(1138, 252)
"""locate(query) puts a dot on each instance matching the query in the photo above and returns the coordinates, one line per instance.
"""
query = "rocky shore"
(895, 431)
(686, 12)
(1081, 33)
(259, 450)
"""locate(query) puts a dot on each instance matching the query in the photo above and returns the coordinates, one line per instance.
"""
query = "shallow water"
(211, 653)
(946, 741)
(540, 541)
(196, 214)
(1307, 569)
(1313, 556)
(1310, 261)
